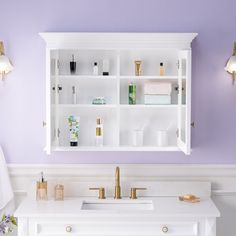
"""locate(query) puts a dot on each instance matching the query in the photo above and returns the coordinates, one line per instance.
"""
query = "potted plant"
(7, 224)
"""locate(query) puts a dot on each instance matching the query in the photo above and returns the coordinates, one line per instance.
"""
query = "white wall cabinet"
(120, 119)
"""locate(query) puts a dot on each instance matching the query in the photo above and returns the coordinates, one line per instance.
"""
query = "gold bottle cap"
(138, 62)
(59, 186)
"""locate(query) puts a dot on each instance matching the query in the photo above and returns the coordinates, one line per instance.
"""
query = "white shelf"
(86, 106)
(115, 106)
(115, 148)
(147, 106)
(122, 77)
(84, 77)
(150, 77)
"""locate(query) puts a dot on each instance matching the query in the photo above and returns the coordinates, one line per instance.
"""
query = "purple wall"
(22, 97)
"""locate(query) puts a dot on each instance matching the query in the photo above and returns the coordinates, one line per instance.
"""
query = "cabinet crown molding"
(92, 40)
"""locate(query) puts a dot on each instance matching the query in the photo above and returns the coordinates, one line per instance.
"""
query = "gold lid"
(59, 186)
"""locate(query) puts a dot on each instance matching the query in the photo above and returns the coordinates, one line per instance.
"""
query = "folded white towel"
(6, 193)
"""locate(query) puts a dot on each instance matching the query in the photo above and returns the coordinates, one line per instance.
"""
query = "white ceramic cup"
(138, 137)
(162, 138)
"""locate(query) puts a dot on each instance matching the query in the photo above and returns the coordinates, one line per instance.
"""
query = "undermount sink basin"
(118, 205)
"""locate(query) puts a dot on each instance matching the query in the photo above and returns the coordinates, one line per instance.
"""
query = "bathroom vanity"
(155, 120)
(143, 217)
(163, 214)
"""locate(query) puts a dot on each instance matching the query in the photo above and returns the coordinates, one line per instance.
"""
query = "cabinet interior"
(119, 118)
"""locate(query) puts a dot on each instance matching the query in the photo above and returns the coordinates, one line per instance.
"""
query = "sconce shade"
(5, 64)
(231, 64)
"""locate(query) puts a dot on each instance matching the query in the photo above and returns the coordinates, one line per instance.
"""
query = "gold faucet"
(117, 184)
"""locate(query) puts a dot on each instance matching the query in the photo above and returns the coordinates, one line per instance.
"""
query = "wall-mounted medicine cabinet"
(158, 116)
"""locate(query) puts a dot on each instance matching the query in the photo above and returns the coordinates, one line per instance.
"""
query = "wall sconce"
(231, 64)
(5, 63)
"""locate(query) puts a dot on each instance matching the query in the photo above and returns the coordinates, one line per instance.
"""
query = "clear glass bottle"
(95, 68)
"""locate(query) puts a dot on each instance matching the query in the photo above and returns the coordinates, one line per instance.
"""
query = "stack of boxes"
(157, 93)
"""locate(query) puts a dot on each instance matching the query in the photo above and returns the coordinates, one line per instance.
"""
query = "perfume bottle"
(162, 71)
(73, 65)
(105, 67)
(95, 68)
(74, 95)
(99, 133)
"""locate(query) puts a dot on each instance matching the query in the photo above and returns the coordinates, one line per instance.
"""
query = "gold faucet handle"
(133, 193)
(101, 192)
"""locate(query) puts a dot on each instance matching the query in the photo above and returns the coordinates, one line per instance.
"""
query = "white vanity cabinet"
(86, 215)
(120, 119)
(169, 217)
(120, 226)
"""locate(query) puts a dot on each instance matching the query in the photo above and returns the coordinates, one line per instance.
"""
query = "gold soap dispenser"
(41, 189)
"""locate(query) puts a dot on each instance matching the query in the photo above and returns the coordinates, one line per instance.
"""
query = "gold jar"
(59, 192)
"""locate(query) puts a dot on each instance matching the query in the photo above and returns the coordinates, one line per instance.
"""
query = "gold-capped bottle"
(162, 71)
(99, 132)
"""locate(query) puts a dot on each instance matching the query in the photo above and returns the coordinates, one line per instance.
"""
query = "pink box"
(157, 88)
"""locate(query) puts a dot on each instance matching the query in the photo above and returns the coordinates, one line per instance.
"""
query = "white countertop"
(71, 207)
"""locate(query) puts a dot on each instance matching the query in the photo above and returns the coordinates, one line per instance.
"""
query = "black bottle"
(73, 65)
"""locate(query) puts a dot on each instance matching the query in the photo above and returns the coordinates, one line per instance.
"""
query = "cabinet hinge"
(178, 64)
(193, 124)
(177, 133)
(58, 132)
(59, 88)
(177, 88)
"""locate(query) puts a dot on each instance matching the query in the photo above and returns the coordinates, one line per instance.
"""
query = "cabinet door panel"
(184, 101)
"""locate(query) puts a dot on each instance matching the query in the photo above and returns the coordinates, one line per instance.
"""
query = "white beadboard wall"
(222, 177)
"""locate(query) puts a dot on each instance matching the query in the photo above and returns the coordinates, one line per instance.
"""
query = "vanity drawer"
(116, 228)
(178, 228)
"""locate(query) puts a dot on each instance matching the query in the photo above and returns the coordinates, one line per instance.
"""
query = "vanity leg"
(210, 229)
(23, 229)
